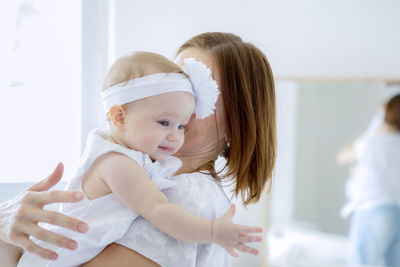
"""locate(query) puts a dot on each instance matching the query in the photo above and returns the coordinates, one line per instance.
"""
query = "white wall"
(355, 38)
(329, 116)
(40, 73)
(283, 187)
(95, 51)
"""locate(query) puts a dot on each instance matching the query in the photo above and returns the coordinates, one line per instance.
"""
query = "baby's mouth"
(166, 148)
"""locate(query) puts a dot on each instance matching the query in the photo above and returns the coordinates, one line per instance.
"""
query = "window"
(40, 85)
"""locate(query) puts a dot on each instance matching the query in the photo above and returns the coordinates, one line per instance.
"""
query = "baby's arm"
(130, 183)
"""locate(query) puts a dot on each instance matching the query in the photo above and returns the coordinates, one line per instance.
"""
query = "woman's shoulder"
(199, 182)
(199, 193)
(196, 178)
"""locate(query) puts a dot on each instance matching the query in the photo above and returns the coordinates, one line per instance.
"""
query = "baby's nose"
(172, 137)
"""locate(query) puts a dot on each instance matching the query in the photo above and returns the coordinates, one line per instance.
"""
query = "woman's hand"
(19, 217)
(232, 236)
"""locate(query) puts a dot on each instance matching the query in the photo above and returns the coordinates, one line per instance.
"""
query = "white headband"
(200, 84)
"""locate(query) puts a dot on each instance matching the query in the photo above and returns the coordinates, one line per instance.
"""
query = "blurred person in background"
(373, 189)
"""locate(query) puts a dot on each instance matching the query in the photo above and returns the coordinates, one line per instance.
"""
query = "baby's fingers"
(249, 238)
(243, 229)
(242, 247)
(232, 252)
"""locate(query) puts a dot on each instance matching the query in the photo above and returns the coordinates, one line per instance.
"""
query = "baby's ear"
(117, 116)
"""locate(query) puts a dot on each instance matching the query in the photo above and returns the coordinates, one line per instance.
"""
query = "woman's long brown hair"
(392, 112)
(248, 91)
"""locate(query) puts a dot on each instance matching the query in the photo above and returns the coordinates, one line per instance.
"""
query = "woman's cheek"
(220, 117)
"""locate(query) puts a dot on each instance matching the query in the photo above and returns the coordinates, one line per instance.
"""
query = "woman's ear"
(117, 116)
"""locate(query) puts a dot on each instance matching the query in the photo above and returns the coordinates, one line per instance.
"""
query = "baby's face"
(155, 125)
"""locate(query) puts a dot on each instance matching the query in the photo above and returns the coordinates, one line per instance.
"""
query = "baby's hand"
(232, 236)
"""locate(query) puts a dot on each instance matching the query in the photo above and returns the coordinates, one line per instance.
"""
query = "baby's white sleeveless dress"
(107, 217)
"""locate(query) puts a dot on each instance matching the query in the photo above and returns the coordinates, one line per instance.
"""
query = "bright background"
(66, 48)
(40, 87)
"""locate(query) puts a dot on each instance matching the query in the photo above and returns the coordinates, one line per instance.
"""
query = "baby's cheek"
(149, 144)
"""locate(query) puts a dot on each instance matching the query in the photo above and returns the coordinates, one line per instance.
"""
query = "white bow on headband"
(200, 84)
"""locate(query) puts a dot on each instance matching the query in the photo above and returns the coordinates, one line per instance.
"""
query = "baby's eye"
(180, 127)
(164, 123)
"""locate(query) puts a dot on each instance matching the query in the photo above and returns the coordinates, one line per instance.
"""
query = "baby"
(148, 100)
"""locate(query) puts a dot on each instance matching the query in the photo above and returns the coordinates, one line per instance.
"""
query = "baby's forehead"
(176, 105)
(168, 113)
(173, 115)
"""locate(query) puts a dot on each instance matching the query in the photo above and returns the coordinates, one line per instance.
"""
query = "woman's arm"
(117, 255)
(20, 215)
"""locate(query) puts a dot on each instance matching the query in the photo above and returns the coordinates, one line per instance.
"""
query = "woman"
(374, 192)
(245, 116)
(242, 129)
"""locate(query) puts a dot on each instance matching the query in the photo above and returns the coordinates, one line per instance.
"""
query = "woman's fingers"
(28, 245)
(55, 196)
(242, 247)
(25, 225)
(53, 238)
(56, 218)
(249, 238)
(50, 181)
(25, 211)
(42, 252)
(30, 212)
